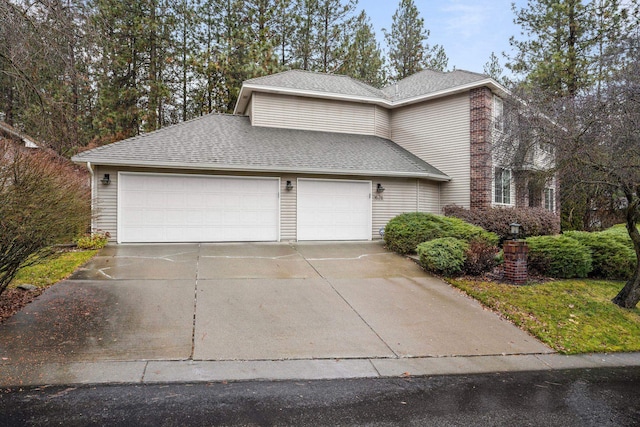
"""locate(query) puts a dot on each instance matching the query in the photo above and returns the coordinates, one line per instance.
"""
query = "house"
(9, 132)
(306, 156)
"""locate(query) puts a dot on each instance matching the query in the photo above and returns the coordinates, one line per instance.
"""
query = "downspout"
(92, 182)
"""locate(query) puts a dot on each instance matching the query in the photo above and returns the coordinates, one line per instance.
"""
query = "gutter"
(274, 169)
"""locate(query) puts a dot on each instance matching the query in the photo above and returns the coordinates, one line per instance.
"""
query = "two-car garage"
(206, 208)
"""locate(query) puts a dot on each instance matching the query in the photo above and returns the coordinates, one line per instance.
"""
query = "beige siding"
(439, 133)
(288, 208)
(383, 122)
(429, 197)
(105, 201)
(400, 195)
(294, 112)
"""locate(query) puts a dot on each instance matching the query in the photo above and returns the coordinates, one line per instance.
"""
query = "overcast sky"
(469, 30)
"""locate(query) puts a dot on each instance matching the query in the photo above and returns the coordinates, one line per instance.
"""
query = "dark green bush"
(406, 231)
(612, 259)
(559, 256)
(444, 256)
(620, 232)
(534, 221)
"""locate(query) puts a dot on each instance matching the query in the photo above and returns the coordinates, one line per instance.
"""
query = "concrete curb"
(169, 371)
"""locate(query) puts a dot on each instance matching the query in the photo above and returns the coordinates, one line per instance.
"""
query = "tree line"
(81, 72)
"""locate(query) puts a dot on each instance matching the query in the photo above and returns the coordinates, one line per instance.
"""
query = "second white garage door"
(334, 210)
(196, 208)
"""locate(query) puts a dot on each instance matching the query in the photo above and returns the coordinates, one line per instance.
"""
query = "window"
(550, 199)
(498, 114)
(502, 186)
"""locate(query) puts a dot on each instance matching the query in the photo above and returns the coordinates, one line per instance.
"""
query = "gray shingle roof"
(423, 83)
(317, 82)
(429, 81)
(228, 142)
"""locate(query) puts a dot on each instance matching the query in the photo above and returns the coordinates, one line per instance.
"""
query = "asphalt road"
(599, 397)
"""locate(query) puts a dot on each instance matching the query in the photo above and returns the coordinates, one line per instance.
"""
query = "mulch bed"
(13, 300)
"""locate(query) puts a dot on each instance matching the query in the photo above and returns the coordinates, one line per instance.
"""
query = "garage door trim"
(161, 174)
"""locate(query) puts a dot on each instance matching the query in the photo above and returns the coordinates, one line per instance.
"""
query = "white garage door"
(334, 210)
(187, 208)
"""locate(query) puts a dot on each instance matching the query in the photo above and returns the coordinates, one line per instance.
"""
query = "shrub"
(406, 231)
(534, 221)
(619, 231)
(444, 256)
(559, 256)
(96, 240)
(43, 202)
(480, 257)
(612, 259)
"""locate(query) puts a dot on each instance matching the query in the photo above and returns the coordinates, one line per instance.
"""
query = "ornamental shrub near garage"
(559, 256)
(612, 259)
(406, 231)
(534, 221)
(444, 256)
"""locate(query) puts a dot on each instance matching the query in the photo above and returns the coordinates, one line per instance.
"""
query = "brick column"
(515, 261)
(481, 101)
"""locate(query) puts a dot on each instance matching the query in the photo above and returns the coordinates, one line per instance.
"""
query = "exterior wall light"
(106, 180)
(515, 230)
(289, 186)
(379, 188)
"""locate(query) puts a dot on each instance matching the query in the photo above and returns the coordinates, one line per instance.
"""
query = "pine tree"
(363, 59)
(306, 15)
(409, 51)
(493, 69)
(334, 25)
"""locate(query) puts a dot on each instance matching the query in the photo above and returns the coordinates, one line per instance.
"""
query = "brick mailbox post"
(515, 261)
(515, 257)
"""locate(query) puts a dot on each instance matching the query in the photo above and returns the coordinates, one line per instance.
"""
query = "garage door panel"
(334, 210)
(179, 208)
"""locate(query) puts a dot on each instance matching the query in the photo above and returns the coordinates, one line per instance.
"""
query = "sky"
(469, 30)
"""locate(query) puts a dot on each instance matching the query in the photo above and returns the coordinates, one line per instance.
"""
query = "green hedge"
(559, 256)
(406, 231)
(444, 256)
(612, 259)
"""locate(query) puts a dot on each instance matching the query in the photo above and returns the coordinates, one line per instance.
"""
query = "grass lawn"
(571, 316)
(52, 270)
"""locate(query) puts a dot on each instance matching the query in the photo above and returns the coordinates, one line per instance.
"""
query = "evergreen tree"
(334, 25)
(493, 69)
(409, 51)
(306, 15)
(363, 59)
(284, 28)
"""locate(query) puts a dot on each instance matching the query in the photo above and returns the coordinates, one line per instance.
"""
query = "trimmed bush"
(444, 256)
(619, 231)
(559, 256)
(406, 231)
(534, 221)
(612, 259)
(480, 257)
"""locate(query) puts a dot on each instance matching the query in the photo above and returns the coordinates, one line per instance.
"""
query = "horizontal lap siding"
(383, 122)
(105, 202)
(291, 112)
(439, 133)
(288, 208)
(429, 197)
(399, 196)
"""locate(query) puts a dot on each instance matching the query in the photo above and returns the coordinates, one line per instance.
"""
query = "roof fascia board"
(250, 88)
(263, 169)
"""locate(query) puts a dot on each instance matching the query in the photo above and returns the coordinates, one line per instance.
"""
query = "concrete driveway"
(254, 302)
